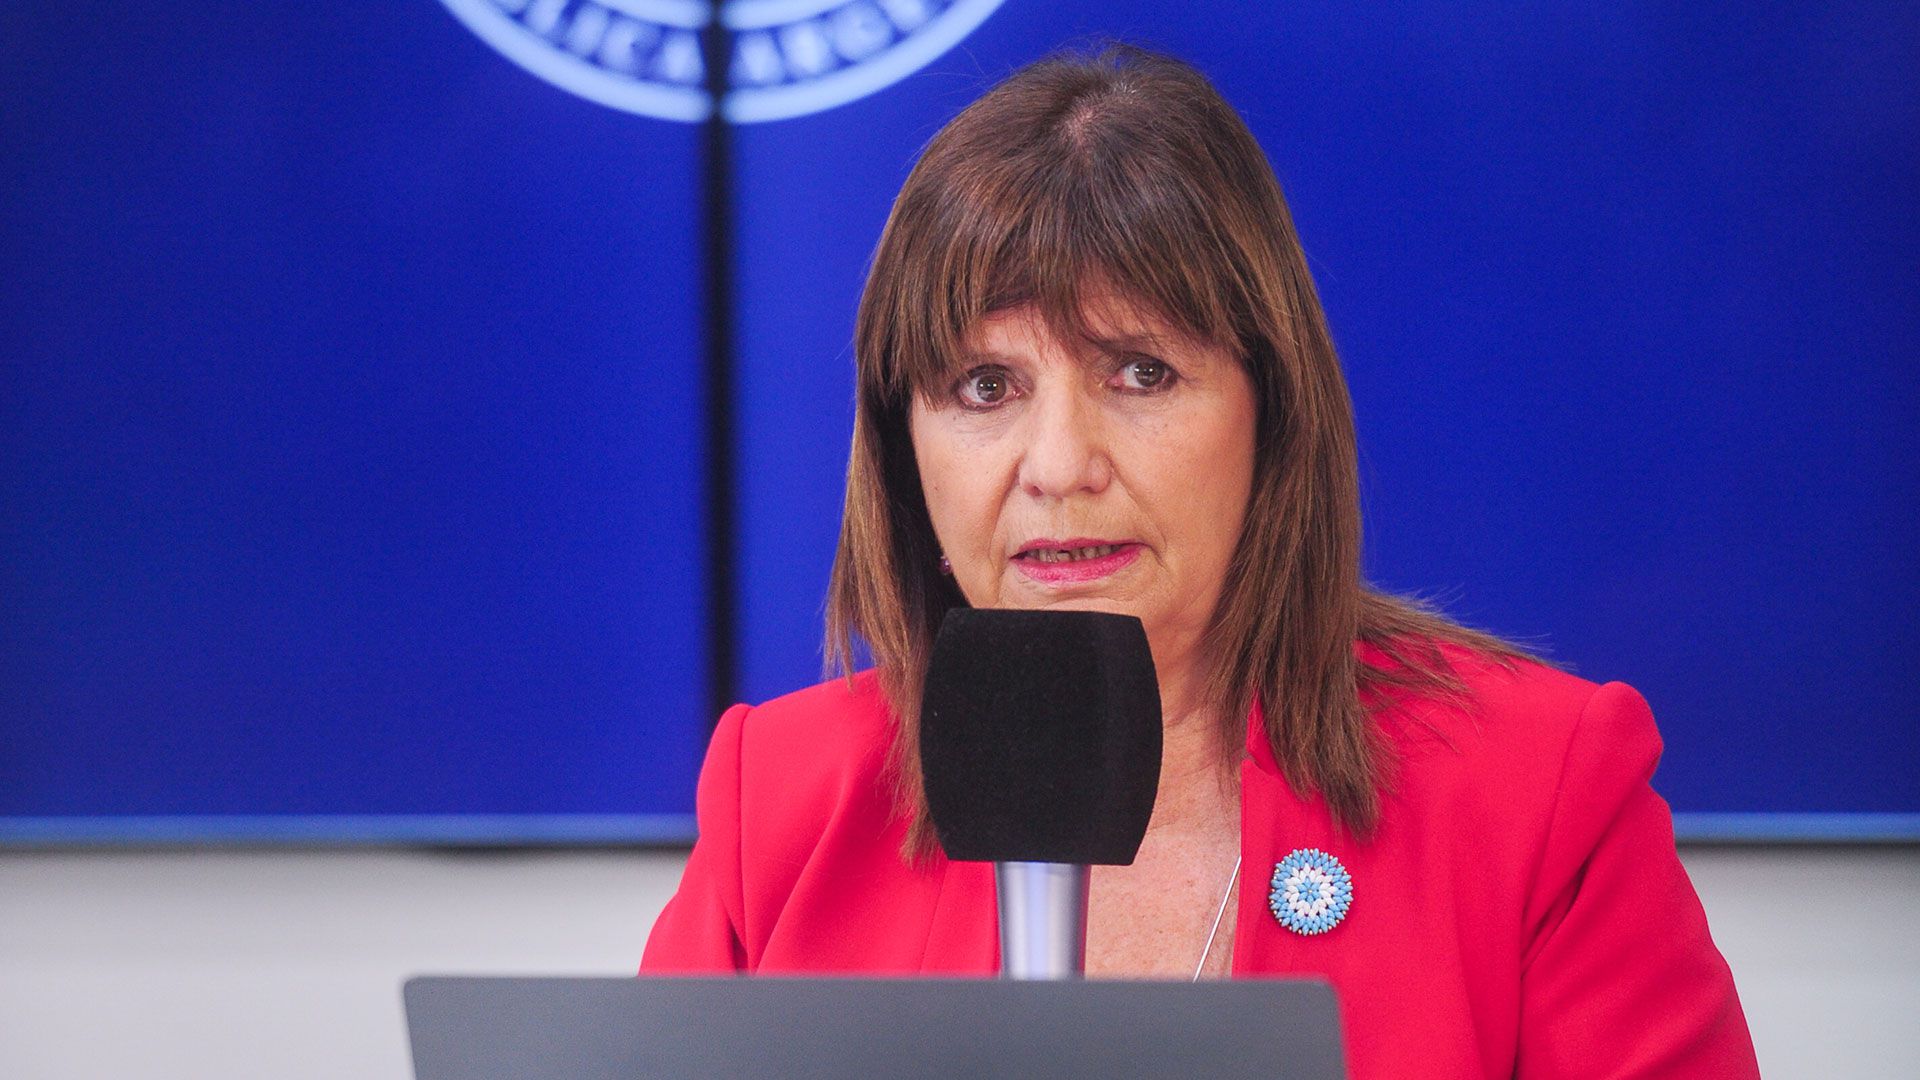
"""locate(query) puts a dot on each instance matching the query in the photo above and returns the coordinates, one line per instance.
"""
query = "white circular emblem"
(789, 57)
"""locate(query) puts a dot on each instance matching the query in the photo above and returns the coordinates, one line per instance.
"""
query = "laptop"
(467, 1028)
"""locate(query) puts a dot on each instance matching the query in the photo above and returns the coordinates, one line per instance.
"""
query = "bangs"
(1060, 224)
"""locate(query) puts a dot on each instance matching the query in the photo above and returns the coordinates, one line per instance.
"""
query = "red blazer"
(1520, 912)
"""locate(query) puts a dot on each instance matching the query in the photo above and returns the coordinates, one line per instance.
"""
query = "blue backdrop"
(352, 403)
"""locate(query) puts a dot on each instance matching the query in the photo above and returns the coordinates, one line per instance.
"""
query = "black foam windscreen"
(1040, 736)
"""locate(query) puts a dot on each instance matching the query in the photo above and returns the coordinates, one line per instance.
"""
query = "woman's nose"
(1066, 450)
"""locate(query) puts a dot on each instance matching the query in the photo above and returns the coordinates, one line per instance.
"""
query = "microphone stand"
(1043, 919)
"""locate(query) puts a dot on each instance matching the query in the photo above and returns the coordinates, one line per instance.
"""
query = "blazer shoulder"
(817, 747)
(1521, 689)
(1501, 696)
(1510, 738)
(826, 720)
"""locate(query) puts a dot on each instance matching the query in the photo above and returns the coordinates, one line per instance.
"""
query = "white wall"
(246, 964)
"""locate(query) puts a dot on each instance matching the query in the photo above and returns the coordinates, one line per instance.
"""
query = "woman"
(1093, 373)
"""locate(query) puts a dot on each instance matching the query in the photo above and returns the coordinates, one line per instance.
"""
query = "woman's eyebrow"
(1143, 341)
(973, 358)
(1098, 349)
(1129, 342)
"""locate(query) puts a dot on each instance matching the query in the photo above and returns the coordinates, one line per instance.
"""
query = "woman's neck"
(1199, 780)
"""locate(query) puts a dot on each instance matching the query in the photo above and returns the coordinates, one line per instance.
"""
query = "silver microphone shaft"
(1043, 919)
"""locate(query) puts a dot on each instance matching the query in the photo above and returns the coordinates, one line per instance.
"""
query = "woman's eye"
(1145, 373)
(982, 387)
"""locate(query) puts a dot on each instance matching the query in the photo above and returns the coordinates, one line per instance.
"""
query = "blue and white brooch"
(1311, 891)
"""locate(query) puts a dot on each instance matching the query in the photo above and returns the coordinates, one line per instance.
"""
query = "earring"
(945, 566)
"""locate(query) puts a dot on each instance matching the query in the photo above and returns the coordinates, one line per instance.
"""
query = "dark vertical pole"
(716, 159)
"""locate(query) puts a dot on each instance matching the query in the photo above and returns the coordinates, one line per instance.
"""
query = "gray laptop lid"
(681, 1028)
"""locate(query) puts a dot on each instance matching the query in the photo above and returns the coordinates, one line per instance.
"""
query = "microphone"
(1040, 752)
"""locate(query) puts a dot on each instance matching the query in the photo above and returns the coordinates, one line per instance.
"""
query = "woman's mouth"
(1060, 562)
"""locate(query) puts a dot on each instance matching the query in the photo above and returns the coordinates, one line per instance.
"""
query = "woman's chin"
(1102, 595)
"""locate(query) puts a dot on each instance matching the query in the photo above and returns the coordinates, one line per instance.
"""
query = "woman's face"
(1112, 477)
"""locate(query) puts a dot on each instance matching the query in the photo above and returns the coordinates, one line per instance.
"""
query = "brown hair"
(1126, 170)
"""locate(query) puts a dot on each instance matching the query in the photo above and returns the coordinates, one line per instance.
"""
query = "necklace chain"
(1217, 916)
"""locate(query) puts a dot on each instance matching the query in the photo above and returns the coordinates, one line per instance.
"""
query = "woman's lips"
(1065, 562)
